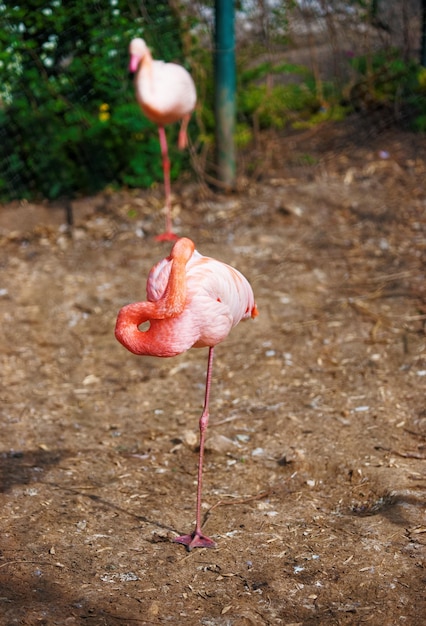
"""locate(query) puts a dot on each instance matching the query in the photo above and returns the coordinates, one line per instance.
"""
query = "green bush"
(386, 79)
(295, 100)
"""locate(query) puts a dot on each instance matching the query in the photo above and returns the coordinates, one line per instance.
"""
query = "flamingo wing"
(158, 279)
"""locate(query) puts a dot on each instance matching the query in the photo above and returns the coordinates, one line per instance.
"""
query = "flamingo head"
(137, 51)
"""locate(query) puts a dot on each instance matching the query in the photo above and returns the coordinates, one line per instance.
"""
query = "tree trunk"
(423, 36)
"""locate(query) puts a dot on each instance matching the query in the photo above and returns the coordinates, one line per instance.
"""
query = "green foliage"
(290, 101)
(68, 118)
(307, 159)
(281, 95)
(274, 107)
(328, 113)
(387, 79)
(418, 100)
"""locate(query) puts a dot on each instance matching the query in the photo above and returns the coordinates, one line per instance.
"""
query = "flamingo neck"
(127, 331)
(145, 64)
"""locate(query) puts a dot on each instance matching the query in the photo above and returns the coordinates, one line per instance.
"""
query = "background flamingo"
(166, 93)
(193, 301)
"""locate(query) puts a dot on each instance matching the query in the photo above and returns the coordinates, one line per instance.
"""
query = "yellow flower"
(104, 113)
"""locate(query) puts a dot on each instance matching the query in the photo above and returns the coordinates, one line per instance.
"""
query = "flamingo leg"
(168, 235)
(197, 539)
(183, 136)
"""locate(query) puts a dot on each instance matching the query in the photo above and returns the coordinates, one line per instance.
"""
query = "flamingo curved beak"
(134, 63)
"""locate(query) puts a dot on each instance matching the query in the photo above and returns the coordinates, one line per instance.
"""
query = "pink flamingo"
(192, 301)
(166, 93)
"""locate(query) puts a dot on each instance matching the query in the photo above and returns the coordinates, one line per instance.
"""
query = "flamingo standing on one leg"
(166, 93)
(192, 301)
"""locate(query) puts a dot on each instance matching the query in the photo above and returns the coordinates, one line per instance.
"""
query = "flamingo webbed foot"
(167, 236)
(195, 540)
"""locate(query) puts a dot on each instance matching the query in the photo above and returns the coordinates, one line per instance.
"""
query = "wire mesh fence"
(69, 123)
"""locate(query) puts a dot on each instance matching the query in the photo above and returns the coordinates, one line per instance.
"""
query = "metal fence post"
(225, 91)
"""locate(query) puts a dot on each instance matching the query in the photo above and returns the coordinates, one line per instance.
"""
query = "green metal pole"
(225, 91)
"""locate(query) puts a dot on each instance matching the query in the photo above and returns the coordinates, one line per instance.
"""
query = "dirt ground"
(315, 474)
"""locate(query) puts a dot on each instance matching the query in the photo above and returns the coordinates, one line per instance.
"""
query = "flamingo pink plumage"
(166, 94)
(192, 301)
